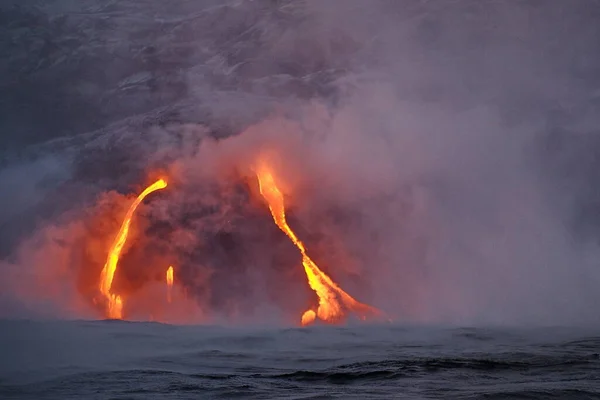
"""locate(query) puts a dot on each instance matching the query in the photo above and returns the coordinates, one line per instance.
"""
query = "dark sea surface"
(128, 360)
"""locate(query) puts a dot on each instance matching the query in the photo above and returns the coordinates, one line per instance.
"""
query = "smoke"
(438, 160)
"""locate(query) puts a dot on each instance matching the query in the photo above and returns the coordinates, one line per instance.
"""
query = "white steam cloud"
(415, 145)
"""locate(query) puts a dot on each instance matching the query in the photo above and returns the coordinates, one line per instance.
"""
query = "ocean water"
(129, 360)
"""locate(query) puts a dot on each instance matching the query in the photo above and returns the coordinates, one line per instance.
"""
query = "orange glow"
(333, 301)
(169, 282)
(114, 309)
(308, 317)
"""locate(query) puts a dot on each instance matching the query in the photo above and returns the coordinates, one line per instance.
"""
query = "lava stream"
(115, 302)
(333, 300)
(169, 282)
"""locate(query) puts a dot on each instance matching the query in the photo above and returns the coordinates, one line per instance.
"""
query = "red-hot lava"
(114, 302)
(169, 283)
(334, 302)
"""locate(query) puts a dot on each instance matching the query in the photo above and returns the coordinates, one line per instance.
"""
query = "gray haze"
(439, 156)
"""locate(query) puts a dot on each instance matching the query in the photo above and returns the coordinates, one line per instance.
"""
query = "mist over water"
(439, 158)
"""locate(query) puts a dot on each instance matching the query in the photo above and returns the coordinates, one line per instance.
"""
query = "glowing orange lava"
(169, 282)
(114, 309)
(333, 301)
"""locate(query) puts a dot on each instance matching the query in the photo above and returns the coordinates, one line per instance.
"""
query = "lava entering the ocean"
(334, 302)
(169, 282)
(114, 307)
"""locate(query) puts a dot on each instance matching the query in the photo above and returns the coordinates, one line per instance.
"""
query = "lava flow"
(334, 302)
(114, 309)
(169, 283)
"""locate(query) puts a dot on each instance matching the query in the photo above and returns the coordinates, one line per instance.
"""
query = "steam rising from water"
(417, 141)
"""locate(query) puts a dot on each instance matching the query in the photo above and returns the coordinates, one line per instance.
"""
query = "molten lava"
(333, 301)
(114, 309)
(169, 283)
